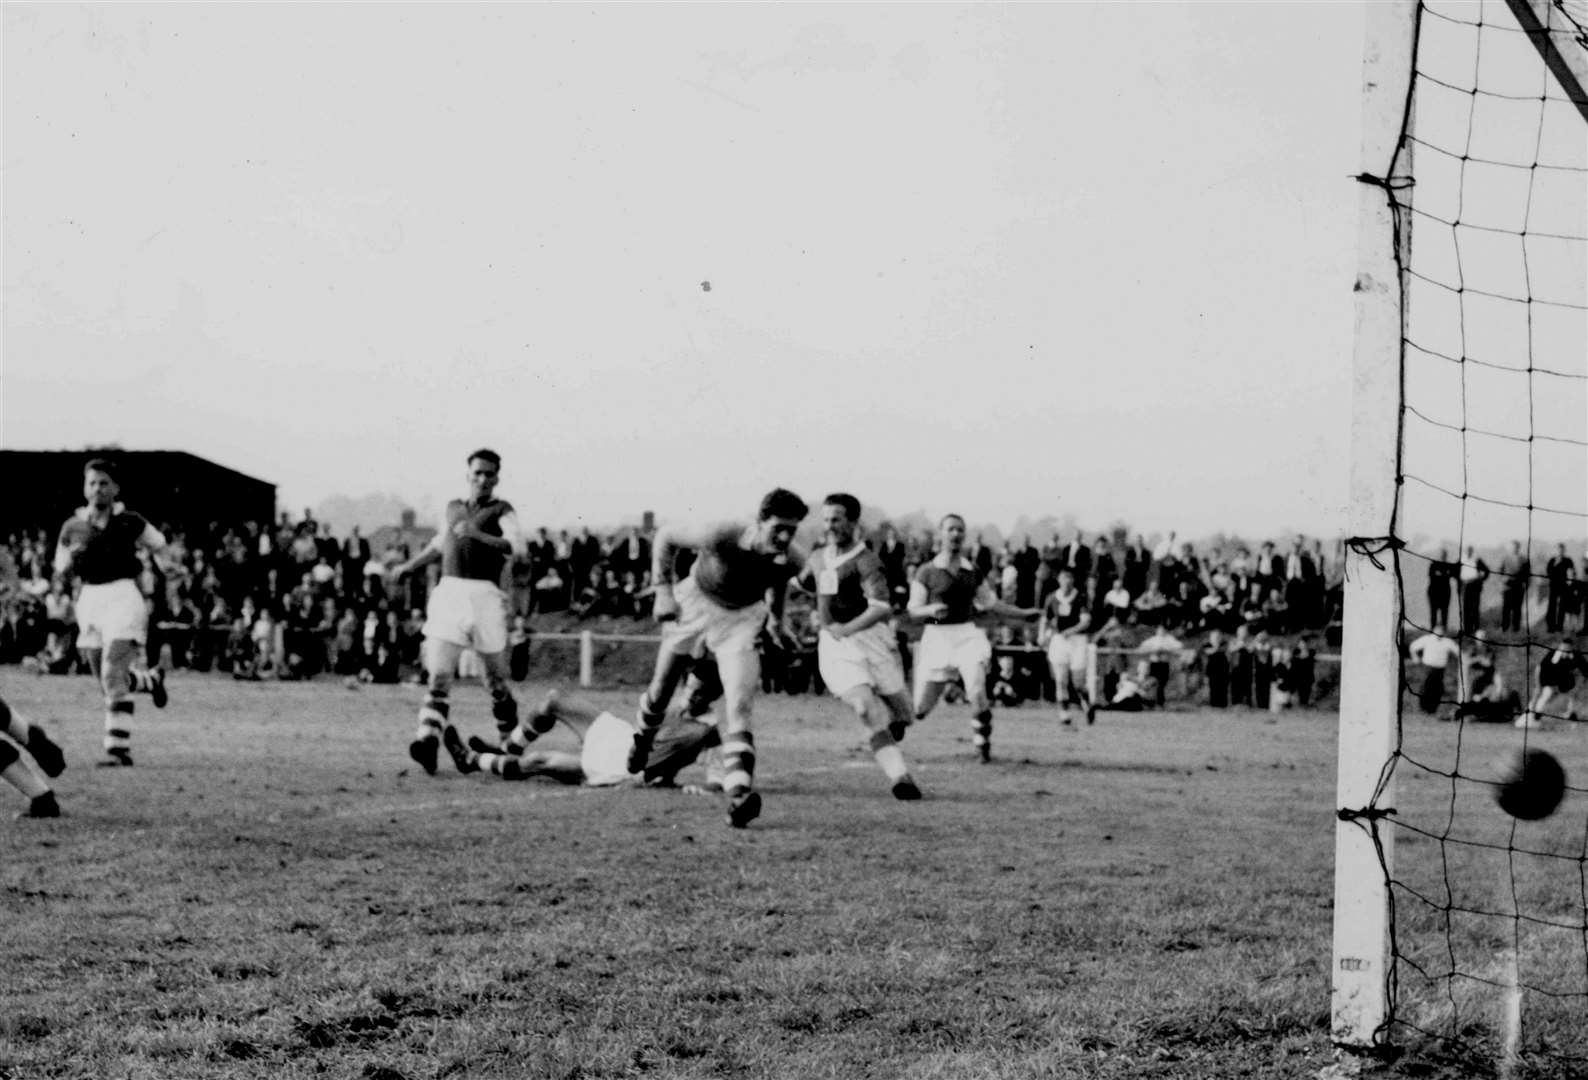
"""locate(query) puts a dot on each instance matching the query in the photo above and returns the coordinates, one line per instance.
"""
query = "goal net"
(1460, 930)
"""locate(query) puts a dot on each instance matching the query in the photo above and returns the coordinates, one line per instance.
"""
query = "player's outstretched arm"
(986, 601)
(429, 554)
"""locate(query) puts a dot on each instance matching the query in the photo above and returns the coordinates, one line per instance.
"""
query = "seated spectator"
(345, 657)
(1150, 606)
(1117, 607)
(410, 642)
(184, 624)
(1128, 692)
(1214, 609)
(60, 613)
(1008, 579)
(1160, 653)
(242, 651)
(631, 587)
(551, 591)
(266, 637)
(323, 575)
(1003, 690)
(57, 657)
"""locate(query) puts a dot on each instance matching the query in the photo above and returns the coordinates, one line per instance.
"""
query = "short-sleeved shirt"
(847, 583)
(108, 552)
(954, 587)
(1434, 651)
(736, 576)
(466, 558)
(1063, 611)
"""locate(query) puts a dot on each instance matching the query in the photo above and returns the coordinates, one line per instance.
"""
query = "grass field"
(275, 892)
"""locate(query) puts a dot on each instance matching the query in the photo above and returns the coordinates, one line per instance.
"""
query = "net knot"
(1388, 183)
(1366, 813)
(1373, 546)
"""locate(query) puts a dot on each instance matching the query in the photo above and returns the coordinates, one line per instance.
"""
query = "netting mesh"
(1488, 540)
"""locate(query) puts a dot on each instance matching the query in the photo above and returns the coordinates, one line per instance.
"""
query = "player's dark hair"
(946, 518)
(486, 455)
(103, 465)
(783, 503)
(850, 504)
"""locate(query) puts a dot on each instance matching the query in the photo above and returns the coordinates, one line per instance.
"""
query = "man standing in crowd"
(856, 651)
(99, 545)
(1435, 651)
(1027, 558)
(1441, 575)
(1077, 559)
(893, 554)
(1471, 575)
(1558, 574)
(735, 588)
(1138, 561)
(1267, 570)
(1299, 574)
(946, 596)
(1515, 573)
(468, 609)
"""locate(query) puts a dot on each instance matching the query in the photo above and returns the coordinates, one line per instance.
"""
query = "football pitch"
(276, 891)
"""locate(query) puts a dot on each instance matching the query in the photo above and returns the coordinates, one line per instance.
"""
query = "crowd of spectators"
(293, 600)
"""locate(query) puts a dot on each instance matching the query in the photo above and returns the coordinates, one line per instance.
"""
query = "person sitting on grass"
(1557, 678)
(1131, 692)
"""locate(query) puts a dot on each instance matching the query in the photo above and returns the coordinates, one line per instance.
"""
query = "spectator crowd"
(292, 600)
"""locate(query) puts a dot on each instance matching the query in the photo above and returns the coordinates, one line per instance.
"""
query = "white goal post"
(1370, 656)
(1364, 976)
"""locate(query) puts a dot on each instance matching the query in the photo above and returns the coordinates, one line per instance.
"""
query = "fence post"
(586, 658)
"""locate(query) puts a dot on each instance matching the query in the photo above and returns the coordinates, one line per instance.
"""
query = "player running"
(856, 651)
(99, 545)
(1065, 620)
(736, 587)
(15, 770)
(946, 594)
(468, 609)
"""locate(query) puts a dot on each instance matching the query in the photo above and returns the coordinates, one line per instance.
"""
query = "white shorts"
(961, 647)
(469, 613)
(729, 633)
(1067, 652)
(114, 611)
(869, 658)
(604, 755)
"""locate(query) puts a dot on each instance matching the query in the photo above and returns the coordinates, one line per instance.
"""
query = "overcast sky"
(1004, 259)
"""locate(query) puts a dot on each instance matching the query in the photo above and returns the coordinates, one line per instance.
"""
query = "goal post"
(1469, 451)
(1370, 656)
